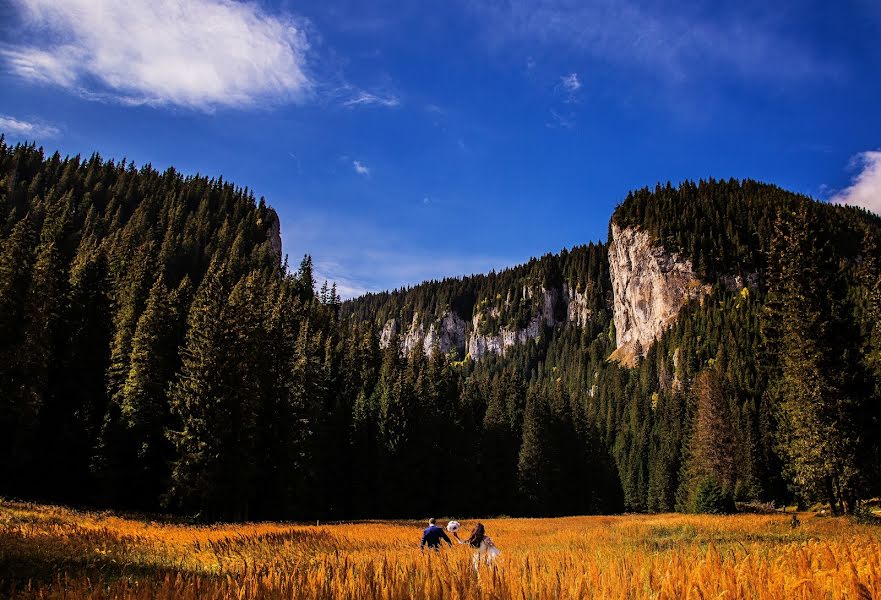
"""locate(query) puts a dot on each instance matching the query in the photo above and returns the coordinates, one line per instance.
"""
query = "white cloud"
(194, 53)
(367, 99)
(865, 189)
(361, 168)
(30, 130)
(570, 82)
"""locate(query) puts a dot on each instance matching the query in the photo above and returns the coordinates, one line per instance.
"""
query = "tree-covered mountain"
(697, 399)
(156, 353)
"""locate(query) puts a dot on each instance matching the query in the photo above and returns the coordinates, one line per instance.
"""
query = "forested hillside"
(157, 354)
(727, 403)
(149, 340)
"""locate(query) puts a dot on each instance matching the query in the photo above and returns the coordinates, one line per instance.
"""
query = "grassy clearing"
(53, 552)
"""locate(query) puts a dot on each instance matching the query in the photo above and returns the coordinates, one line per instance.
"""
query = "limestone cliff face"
(480, 344)
(445, 334)
(450, 332)
(388, 333)
(273, 233)
(650, 285)
(577, 311)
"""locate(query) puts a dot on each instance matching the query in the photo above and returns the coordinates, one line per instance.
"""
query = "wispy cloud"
(365, 256)
(297, 159)
(673, 42)
(865, 189)
(360, 168)
(31, 130)
(568, 88)
(363, 98)
(357, 271)
(570, 82)
(347, 285)
(199, 54)
(560, 121)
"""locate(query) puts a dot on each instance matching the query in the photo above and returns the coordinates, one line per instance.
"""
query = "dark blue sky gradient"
(485, 155)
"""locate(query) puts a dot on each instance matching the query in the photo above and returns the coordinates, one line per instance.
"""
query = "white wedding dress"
(486, 553)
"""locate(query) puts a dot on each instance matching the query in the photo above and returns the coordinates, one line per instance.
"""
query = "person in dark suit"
(432, 536)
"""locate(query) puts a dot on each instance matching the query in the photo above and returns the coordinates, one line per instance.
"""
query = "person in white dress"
(485, 551)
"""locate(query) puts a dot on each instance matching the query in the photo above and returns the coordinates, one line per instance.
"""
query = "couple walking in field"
(484, 549)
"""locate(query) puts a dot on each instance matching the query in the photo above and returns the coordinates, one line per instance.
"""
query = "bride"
(484, 549)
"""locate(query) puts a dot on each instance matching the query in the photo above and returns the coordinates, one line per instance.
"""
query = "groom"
(432, 536)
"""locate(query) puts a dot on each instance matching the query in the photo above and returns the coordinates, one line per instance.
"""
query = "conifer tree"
(498, 452)
(204, 424)
(816, 430)
(712, 448)
(15, 273)
(30, 400)
(144, 410)
(535, 464)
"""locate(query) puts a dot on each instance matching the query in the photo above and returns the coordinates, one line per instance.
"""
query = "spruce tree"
(498, 453)
(16, 259)
(144, 410)
(535, 464)
(816, 431)
(204, 420)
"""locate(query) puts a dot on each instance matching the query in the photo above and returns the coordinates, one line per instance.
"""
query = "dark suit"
(432, 537)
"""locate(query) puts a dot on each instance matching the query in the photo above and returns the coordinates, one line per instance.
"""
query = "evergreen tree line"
(157, 354)
(509, 298)
(763, 393)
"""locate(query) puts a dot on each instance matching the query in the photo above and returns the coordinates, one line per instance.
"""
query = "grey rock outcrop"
(450, 332)
(577, 311)
(388, 333)
(735, 283)
(273, 233)
(481, 344)
(650, 285)
(446, 334)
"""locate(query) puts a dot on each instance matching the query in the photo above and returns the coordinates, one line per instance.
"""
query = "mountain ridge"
(157, 354)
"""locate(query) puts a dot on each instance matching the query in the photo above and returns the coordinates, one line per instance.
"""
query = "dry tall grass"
(51, 552)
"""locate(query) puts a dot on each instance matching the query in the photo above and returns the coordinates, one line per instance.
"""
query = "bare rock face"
(446, 334)
(451, 333)
(735, 283)
(479, 345)
(388, 333)
(413, 336)
(273, 233)
(577, 311)
(650, 285)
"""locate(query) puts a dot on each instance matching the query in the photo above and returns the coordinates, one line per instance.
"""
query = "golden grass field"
(53, 552)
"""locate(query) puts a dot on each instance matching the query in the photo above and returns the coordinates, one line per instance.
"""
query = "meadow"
(55, 552)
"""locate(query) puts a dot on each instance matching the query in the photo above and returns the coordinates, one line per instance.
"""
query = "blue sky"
(401, 141)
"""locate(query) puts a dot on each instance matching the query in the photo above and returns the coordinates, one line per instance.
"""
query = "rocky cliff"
(649, 285)
(480, 344)
(450, 332)
(273, 233)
